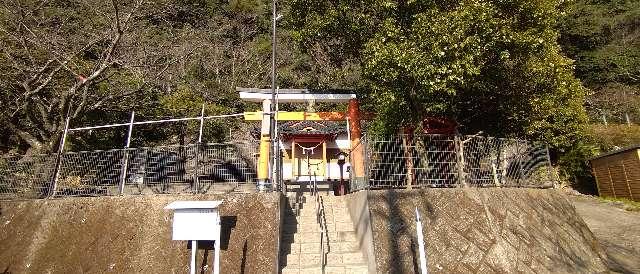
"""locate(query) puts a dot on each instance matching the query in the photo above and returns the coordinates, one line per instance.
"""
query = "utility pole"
(272, 108)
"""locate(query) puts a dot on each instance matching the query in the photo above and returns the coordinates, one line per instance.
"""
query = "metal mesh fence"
(26, 177)
(391, 162)
(197, 168)
(452, 161)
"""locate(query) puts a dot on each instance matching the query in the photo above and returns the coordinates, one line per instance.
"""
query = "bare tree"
(53, 60)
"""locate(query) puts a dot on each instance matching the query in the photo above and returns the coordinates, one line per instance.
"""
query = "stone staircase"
(300, 247)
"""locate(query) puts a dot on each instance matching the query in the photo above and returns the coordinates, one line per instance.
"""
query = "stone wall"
(132, 234)
(482, 231)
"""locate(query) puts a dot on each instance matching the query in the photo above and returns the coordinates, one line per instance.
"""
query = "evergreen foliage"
(495, 66)
(603, 36)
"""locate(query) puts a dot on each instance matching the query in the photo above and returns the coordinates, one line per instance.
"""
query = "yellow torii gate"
(352, 115)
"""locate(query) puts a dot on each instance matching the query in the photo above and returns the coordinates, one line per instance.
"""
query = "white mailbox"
(197, 221)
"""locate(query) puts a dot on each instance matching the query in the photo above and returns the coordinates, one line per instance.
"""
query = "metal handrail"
(322, 221)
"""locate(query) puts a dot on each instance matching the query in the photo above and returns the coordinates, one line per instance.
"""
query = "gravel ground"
(617, 230)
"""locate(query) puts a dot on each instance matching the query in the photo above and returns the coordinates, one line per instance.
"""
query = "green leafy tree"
(604, 39)
(493, 65)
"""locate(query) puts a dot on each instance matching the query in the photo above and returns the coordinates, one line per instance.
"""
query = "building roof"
(311, 127)
(613, 152)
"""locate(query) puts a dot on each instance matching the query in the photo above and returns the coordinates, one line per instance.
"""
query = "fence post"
(196, 180)
(201, 124)
(56, 171)
(626, 117)
(494, 173)
(520, 155)
(459, 145)
(549, 168)
(125, 166)
(407, 144)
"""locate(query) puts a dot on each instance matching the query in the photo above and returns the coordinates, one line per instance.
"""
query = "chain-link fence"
(389, 162)
(405, 161)
(26, 177)
(197, 168)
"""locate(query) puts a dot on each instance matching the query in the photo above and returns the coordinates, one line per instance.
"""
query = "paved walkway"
(617, 230)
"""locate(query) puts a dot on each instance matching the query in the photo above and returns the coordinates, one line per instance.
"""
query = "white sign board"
(197, 221)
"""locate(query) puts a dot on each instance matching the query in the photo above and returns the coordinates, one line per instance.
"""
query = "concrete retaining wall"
(482, 231)
(132, 234)
(359, 213)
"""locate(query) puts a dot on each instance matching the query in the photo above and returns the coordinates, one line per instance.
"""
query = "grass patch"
(626, 204)
(614, 135)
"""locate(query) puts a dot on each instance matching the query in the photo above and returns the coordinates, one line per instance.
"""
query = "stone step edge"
(334, 236)
(284, 254)
(306, 266)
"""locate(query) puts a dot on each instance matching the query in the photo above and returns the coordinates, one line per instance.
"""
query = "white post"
(494, 172)
(423, 256)
(126, 154)
(59, 159)
(626, 117)
(194, 249)
(216, 253)
(196, 180)
(201, 124)
(133, 114)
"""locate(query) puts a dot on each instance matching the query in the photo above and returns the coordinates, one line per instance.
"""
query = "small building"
(313, 145)
(617, 173)
(312, 148)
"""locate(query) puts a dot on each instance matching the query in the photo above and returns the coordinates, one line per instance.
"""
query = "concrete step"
(315, 228)
(328, 217)
(327, 270)
(310, 203)
(314, 247)
(330, 226)
(309, 237)
(310, 212)
(333, 259)
(307, 198)
(304, 191)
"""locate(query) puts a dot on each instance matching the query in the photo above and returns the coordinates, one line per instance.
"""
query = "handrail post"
(125, 165)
